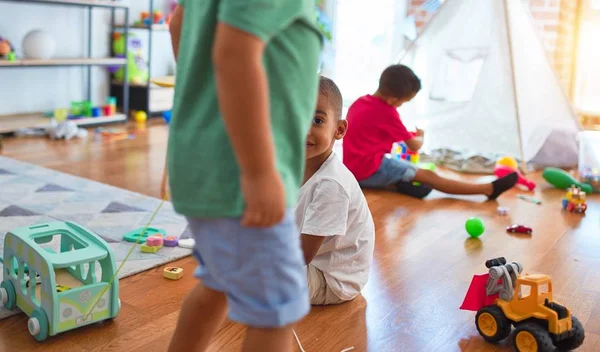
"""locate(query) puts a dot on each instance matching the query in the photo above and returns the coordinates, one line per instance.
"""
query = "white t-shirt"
(331, 204)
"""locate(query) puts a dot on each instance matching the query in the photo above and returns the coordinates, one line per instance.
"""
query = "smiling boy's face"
(326, 128)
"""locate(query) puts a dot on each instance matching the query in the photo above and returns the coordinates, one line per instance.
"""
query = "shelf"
(12, 123)
(64, 62)
(86, 3)
(165, 82)
(155, 27)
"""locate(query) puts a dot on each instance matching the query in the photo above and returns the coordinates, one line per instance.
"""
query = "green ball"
(474, 227)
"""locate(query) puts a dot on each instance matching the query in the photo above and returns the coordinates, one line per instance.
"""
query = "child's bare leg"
(202, 313)
(267, 340)
(492, 189)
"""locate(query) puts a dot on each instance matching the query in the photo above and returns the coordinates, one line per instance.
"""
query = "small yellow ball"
(140, 116)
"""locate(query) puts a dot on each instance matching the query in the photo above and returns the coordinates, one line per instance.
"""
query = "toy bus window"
(23, 278)
(66, 241)
(543, 289)
(524, 291)
(90, 272)
(34, 287)
(13, 267)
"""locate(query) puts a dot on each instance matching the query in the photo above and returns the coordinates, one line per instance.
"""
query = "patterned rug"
(31, 195)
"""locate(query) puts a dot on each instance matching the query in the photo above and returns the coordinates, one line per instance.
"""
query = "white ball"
(38, 44)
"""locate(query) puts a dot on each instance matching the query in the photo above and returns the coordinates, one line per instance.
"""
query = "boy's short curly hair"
(399, 81)
(330, 90)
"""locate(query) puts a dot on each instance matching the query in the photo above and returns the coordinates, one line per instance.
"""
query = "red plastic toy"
(502, 171)
(519, 229)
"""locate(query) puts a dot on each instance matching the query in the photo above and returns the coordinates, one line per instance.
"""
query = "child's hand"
(420, 132)
(265, 199)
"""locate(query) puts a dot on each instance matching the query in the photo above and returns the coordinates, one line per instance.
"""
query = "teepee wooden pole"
(514, 85)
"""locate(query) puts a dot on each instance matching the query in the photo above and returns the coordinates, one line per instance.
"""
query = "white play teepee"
(488, 86)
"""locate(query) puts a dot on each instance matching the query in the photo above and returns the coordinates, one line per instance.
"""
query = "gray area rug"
(31, 195)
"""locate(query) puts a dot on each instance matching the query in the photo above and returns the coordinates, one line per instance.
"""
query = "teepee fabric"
(488, 86)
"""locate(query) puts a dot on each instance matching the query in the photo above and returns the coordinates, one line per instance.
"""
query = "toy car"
(525, 302)
(519, 229)
(574, 200)
(67, 293)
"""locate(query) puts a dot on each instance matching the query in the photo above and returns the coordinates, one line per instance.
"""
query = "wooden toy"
(154, 241)
(149, 249)
(170, 241)
(504, 298)
(574, 200)
(135, 234)
(173, 273)
(69, 294)
(188, 243)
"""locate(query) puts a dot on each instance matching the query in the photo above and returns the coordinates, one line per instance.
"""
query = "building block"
(135, 234)
(173, 273)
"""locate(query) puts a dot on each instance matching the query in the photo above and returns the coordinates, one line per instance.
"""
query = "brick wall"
(555, 21)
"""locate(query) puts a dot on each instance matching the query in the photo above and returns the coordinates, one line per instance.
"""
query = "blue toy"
(66, 293)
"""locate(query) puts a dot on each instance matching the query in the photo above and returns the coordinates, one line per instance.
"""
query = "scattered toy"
(171, 241)
(474, 227)
(529, 199)
(135, 234)
(502, 210)
(519, 229)
(187, 243)
(574, 200)
(503, 297)
(173, 273)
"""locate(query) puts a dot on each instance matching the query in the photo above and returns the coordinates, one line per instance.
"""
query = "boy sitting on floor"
(337, 229)
(374, 125)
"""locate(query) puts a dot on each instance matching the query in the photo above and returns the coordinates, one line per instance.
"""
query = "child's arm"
(310, 246)
(325, 216)
(175, 30)
(416, 142)
(244, 103)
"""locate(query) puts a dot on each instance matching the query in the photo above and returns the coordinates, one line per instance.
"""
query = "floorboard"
(422, 267)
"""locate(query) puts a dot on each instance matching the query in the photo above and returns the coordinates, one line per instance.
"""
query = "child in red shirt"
(374, 125)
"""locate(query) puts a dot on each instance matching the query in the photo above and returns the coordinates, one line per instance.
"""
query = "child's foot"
(411, 190)
(503, 184)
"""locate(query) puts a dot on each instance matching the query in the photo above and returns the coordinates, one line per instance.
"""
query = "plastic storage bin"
(589, 158)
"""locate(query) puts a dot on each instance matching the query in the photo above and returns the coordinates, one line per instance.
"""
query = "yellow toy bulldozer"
(525, 302)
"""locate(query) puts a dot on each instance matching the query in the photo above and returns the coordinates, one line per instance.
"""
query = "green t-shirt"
(203, 172)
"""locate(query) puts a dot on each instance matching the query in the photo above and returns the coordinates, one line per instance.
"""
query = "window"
(524, 291)
(542, 289)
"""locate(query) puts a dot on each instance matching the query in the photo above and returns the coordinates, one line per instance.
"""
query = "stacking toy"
(502, 171)
(563, 180)
(508, 162)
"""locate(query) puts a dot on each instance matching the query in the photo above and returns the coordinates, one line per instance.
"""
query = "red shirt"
(373, 126)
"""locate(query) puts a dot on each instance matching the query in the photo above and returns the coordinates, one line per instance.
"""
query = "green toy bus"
(57, 290)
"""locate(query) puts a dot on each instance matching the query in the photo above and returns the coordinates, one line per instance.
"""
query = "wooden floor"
(422, 267)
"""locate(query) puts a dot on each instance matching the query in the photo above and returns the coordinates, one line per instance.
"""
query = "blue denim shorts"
(261, 270)
(390, 172)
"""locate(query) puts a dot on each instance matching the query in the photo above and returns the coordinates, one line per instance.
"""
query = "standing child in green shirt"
(245, 94)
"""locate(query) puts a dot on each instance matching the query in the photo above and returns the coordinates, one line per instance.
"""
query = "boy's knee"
(425, 175)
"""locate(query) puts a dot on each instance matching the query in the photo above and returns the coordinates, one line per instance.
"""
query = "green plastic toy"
(474, 227)
(67, 289)
(133, 236)
(563, 180)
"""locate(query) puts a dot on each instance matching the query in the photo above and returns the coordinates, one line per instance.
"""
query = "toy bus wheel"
(38, 325)
(574, 341)
(492, 324)
(8, 296)
(531, 337)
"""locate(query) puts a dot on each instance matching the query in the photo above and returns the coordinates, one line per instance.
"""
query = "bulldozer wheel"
(532, 337)
(574, 341)
(492, 324)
